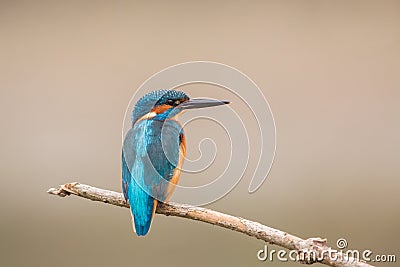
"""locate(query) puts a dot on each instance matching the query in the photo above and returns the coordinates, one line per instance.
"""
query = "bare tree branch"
(305, 247)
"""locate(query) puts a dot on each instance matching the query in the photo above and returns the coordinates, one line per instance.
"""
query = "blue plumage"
(153, 152)
(149, 157)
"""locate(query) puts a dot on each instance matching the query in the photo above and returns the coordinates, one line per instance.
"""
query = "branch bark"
(304, 247)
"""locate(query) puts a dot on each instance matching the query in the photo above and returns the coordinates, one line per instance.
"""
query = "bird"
(153, 152)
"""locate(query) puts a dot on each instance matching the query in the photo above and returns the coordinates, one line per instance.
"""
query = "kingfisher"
(153, 152)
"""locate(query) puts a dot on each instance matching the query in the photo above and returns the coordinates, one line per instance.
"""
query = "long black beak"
(202, 103)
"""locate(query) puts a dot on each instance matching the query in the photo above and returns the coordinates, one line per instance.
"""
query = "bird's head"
(166, 104)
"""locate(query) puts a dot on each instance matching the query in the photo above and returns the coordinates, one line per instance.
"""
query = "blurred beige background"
(329, 69)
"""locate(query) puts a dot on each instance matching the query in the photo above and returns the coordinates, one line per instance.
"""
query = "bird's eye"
(170, 102)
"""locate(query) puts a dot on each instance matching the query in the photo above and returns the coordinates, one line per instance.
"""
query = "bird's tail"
(143, 208)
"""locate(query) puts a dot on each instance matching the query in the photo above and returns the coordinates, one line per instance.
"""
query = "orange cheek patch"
(161, 109)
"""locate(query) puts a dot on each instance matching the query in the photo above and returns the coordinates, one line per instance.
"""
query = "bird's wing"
(163, 154)
(142, 205)
(149, 157)
(151, 153)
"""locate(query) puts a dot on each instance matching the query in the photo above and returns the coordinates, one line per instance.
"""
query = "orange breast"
(177, 172)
